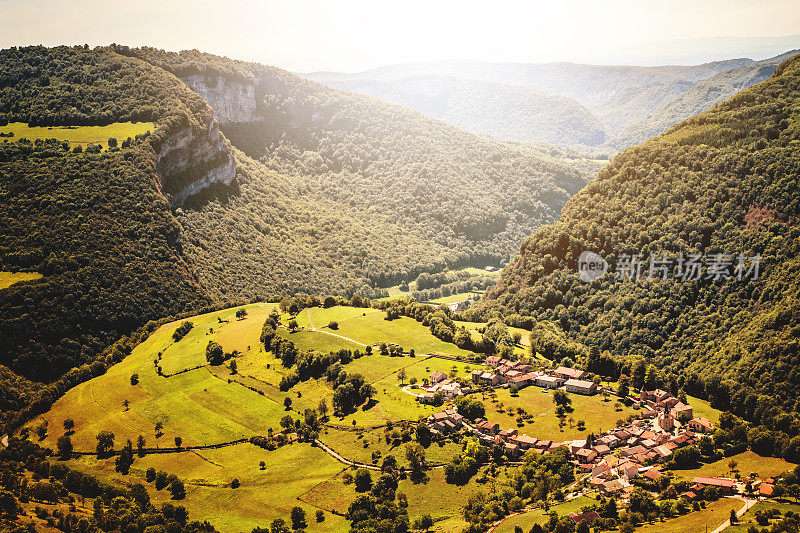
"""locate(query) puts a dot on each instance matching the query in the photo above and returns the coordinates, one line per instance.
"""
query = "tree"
(323, 408)
(287, 403)
(298, 517)
(293, 325)
(64, 445)
(278, 526)
(320, 515)
(177, 490)
(8, 504)
(423, 434)
(159, 426)
(401, 375)
(262, 465)
(363, 480)
(734, 519)
(623, 390)
(234, 367)
(415, 455)
(69, 425)
(105, 443)
(140, 442)
(425, 522)
(214, 354)
(178, 442)
(732, 464)
(134, 379)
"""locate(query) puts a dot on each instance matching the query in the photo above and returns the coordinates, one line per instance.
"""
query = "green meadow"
(538, 516)
(712, 516)
(368, 326)
(78, 135)
(9, 278)
(599, 415)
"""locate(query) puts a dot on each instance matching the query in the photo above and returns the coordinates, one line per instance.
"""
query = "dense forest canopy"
(723, 182)
(344, 193)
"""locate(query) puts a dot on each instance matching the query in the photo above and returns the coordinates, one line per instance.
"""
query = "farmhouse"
(549, 382)
(489, 379)
(725, 485)
(436, 377)
(569, 373)
(580, 386)
(701, 424)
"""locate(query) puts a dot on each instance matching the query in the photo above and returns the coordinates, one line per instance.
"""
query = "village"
(609, 461)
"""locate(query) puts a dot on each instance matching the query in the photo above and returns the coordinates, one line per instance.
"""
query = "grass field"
(395, 292)
(598, 415)
(712, 516)
(748, 519)
(435, 497)
(703, 408)
(78, 135)
(454, 298)
(539, 516)
(9, 278)
(748, 462)
(368, 326)
(263, 495)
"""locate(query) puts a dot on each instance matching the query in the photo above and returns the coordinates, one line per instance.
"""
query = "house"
(656, 396)
(489, 428)
(512, 450)
(609, 440)
(765, 490)
(426, 397)
(490, 379)
(580, 386)
(590, 517)
(689, 495)
(601, 449)
(476, 375)
(549, 382)
(701, 424)
(525, 442)
(723, 484)
(652, 474)
(611, 487)
(663, 452)
(682, 412)
(507, 434)
(492, 360)
(519, 382)
(569, 373)
(586, 455)
(436, 377)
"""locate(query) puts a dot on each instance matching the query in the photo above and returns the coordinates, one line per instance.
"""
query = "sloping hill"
(697, 99)
(617, 95)
(97, 226)
(502, 111)
(341, 192)
(723, 182)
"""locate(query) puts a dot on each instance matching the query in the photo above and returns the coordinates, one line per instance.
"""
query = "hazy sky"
(304, 35)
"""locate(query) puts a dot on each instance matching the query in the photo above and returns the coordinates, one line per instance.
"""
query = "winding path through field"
(314, 328)
(748, 503)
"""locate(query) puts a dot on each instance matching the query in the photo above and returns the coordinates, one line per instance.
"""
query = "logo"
(591, 266)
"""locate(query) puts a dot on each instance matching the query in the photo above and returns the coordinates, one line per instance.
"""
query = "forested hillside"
(95, 225)
(508, 112)
(344, 193)
(697, 99)
(723, 182)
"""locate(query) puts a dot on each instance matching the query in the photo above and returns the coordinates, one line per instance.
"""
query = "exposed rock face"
(233, 102)
(189, 160)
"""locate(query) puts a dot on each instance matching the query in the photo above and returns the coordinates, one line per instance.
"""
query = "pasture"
(746, 463)
(538, 516)
(542, 423)
(78, 135)
(9, 278)
(712, 516)
(368, 326)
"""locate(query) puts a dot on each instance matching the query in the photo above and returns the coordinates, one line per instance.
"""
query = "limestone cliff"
(233, 101)
(192, 158)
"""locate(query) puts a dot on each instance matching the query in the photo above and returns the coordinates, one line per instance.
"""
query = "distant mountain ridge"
(618, 97)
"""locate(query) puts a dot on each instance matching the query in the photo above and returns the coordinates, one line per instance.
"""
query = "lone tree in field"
(293, 325)
(177, 490)
(134, 379)
(401, 375)
(262, 465)
(159, 427)
(178, 442)
(105, 443)
(69, 425)
(64, 445)
(287, 403)
(298, 517)
(322, 408)
(234, 367)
